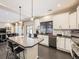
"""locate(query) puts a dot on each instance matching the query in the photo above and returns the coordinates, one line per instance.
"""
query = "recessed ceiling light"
(58, 5)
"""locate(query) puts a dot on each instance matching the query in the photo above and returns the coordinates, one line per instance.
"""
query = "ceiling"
(6, 16)
(9, 9)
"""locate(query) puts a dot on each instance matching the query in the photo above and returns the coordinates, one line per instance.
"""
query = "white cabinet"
(60, 43)
(78, 17)
(56, 22)
(45, 41)
(68, 44)
(73, 20)
(61, 21)
(64, 44)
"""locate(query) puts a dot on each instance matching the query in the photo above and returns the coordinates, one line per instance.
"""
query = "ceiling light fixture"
(32, 18)
(20, 15)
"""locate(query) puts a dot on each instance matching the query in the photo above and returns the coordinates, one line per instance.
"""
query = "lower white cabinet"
(64, 44)
(45, 41)
(68, 44)
(60, 43)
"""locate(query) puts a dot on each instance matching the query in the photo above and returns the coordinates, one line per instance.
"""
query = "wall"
(2, 24)
(27, 23)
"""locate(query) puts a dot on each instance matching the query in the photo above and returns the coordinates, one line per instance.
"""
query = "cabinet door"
(73, 20)
(65, 21)
(68, 45)
(56, 22)
(61, 21)
(45, 41)
(78, 17)
(60, 43)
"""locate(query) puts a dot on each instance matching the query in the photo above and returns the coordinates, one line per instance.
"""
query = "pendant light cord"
(32, 9)
(20, 12)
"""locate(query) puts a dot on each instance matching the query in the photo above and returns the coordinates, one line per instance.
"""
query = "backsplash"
(67, 33)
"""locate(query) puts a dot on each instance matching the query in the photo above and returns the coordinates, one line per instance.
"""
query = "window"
(46, 27)
(29, 30)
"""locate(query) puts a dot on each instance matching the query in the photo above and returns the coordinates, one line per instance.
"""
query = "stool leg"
(7, 55)
(23, 55)
(19, 55)
(15, 56)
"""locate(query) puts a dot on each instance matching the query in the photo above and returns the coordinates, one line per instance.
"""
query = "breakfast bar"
(30, 46)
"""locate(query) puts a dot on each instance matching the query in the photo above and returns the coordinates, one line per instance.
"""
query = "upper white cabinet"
(78, 17)
(73, 20)
(56, 22)
(61, 21)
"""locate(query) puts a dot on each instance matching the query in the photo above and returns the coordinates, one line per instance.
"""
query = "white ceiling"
(40, 8)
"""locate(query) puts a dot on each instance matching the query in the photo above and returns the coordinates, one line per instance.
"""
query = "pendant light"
(32, 11)
(20, 22)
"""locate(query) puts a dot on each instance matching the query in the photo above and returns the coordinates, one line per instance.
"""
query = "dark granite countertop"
(65, 36)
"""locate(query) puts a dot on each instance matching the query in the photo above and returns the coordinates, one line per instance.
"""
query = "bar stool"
(15, 50)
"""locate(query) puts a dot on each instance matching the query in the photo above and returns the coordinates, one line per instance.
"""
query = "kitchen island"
(30, 46)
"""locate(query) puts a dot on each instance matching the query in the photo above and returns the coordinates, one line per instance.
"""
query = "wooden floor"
(44, 53)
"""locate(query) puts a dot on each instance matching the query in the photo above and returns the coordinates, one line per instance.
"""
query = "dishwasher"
(52, 41)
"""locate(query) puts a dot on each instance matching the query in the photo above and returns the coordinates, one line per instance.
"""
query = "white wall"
(2, 24)
(27, 23)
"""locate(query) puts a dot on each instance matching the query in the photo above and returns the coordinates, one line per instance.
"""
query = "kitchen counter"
(30, 46)
(25, 41)
(65, 36)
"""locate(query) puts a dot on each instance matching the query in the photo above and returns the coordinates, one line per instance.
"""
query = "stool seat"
(18, 50)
